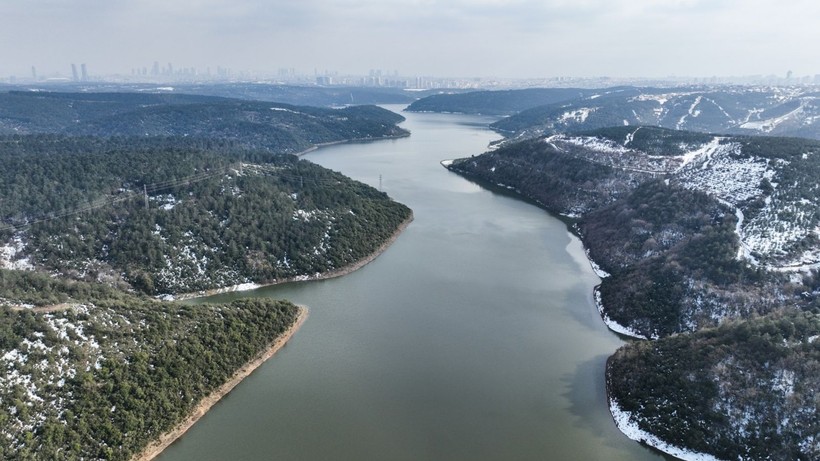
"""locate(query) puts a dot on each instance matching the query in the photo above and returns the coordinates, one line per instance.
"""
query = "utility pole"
(380, 182)
(145, 193)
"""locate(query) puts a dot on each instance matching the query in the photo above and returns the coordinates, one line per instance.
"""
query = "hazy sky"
(503, 38)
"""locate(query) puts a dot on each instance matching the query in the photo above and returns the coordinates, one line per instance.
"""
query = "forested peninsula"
(708, 245)
(113, 201)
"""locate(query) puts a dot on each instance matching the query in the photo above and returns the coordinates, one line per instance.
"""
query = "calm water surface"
(474, 337)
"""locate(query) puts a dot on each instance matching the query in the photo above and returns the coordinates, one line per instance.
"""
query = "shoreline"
(622, 419)
(201, 409)
(611, 324)
(352, 267)
(349, 141)
(627, 425)
(571, 221)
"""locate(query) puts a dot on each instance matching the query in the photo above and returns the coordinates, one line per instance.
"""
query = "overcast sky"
(459, 38)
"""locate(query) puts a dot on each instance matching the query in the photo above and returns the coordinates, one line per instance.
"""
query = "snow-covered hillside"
(782, 111)
(774, 200)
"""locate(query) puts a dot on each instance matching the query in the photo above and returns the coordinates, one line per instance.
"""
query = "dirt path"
(45, 309)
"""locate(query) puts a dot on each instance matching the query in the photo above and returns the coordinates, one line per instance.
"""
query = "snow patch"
(706, 151)
(11, 256)
(590, 142)
(768, 125)
(578, 115)
(630, 136)
(692, 112)
(627, 424)
(596, 268)
(611, 324)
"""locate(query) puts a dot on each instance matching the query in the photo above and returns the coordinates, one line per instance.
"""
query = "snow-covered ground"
(72, 350)
(769, 125)
(721, 171)
(627, 424)
(720, 168)
(731, 180)
(233, 288)
(596, 268)
(11, 256)
(613, 325)
(578, 115)
(705, 151)
(165, 202)
(599, 145)
(619, 155)
(692, 112)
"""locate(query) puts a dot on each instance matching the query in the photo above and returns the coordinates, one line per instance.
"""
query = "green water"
(473, 337)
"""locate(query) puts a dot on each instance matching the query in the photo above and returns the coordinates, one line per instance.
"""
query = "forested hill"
(502, 102)
(104, 373)
(715, 235)
(762, 110)
(280, 128)
(108, 198)
(775, 111)
(300, 95)
(744, 391)
(319, 96)
(216, 215)
(694, 228)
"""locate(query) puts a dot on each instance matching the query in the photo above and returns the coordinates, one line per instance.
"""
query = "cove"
(473, 337)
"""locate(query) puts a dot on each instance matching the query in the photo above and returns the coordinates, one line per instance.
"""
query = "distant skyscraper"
(84, 71)
(74, 75)
(34, 73)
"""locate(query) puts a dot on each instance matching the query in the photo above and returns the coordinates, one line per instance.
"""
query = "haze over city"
(482, 38)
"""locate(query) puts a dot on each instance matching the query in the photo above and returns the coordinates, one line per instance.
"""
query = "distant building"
(74, 74)
(84, 72)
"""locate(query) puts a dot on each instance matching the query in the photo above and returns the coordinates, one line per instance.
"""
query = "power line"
(171, 184)
(105, 201)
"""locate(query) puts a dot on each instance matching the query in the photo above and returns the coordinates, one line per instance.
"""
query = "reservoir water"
(473, 337)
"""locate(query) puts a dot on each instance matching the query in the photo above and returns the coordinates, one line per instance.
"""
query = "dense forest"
(667, 248)
(764, 110)
(697, 233)
(736, 110)
(276, 127)
(215, 215)
(173, 193)
(744, 390)
(501, 102)
(108, 198)
(107, 372)
(694, 228)
(301, 95)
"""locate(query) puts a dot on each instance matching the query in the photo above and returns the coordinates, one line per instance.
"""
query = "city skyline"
(169, 73)
(457, 38)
